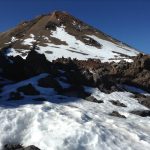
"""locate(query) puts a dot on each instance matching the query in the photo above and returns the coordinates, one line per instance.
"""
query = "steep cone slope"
(61, 35)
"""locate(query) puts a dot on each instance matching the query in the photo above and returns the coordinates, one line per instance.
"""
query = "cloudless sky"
(126, 20)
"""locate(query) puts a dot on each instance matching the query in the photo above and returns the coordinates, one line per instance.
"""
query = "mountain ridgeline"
(62, 31)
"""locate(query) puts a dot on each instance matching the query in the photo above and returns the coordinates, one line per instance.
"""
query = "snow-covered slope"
(62, 35)
(79, 50)
(70, 123)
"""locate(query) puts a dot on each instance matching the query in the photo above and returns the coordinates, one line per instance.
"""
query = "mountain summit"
(59, 34)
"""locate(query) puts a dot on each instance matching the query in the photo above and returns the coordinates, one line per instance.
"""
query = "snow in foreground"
(74, 124)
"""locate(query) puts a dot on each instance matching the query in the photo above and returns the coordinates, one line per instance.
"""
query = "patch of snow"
(13, 39)
(29, 41)
(46, 38)
(13, 52)
(74, 23)
(109, 47)
(64, 85)
(32, 35)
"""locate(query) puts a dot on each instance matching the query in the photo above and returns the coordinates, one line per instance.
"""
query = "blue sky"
(126, 20)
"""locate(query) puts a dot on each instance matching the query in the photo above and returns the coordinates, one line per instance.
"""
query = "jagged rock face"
(106, 76)
(59, 34)
(36, 63)
(139, 71)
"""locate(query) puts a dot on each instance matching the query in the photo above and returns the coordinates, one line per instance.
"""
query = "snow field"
(73, 123)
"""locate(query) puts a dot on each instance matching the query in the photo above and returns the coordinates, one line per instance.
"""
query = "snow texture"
(29, 41)
(69, 123)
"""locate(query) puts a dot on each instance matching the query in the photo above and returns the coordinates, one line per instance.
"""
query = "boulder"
(117, 103)
(19, 147)
(40, 99)
(142, 113)
(15, 96)
(144, 101)
(36, 63)
(75, 91)
(93, 99)
(28, 90)
(117, 114)
(32, 147)
(12, 147)
(49, 82)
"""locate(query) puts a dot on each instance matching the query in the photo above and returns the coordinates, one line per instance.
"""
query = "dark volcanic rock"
(117, 103)
(144, 101)
(75, 92)
(49, 82)
(19, 147)
(51, 25)
(10, 66)
(142, 62)
(106, 76)
(36, 64)
(89, 41)
(32, 147)
(15, 96)
(28, 90)
(142, 113)
(116, 114)
(138, 73)
(40, 99)
(12, 147)
(3, 61)
(93, 99)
